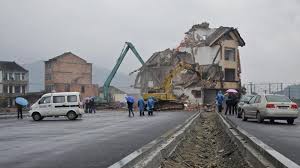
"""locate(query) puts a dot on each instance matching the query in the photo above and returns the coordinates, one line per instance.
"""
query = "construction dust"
(207, 146)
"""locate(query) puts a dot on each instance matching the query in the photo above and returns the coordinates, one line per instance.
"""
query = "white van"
(57, 104)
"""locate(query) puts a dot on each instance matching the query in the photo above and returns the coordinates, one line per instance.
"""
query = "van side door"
(60, 105)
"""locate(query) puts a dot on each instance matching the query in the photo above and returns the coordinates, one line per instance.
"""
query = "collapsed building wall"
(215, 50)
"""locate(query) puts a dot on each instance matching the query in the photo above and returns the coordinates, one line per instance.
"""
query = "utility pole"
(281, 86)
(289, 92)
(250, 87)
(269, 88)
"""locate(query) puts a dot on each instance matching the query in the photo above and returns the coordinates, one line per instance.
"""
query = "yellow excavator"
(165, 99)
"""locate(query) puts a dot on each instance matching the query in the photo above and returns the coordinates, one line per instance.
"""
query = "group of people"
(141, 106)
(89, 106)
(231, 101)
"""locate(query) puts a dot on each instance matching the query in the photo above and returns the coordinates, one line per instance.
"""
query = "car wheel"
(290, 121)
(36, 116)
(244, 118)
(272, 121)
(72, 115)
(259, 118)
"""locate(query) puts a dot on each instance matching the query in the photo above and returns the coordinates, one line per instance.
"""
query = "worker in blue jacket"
(219, 101)
(141, 105)
(150, 105)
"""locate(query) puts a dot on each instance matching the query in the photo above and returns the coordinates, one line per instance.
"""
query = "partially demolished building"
(214, 50)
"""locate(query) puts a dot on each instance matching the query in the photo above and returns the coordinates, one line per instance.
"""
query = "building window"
(23, 76)
(23, 89)
(17, 89)
(5, 89)
(10, 76)
(48, 65)
(196, 93)
(82, 89)
(17, 76)
(5, 76)
(10, 89)
(229, 54)
(48, 77)
(230, 75)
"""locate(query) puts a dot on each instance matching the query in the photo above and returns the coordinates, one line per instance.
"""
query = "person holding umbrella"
(130, 101)
(20, 103)
(230, 101)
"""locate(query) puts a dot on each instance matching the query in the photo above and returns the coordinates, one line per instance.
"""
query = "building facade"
(214, 50)
(13, 82)
(69, 73)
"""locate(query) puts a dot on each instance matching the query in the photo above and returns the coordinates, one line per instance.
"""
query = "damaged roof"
(11, 66)
(220, 32)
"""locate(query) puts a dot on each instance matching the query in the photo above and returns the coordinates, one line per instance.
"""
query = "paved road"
(282, 137)
(93, 141)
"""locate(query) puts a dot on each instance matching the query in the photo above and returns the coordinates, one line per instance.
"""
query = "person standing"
(229, 104)
(150, 105)
(219, 100)
(130, 102)
(141, 105)
(20, 111)
(92, 106)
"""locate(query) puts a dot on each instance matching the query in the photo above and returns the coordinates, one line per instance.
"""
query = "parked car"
(242, 102)
(57, 104)
(273, 107)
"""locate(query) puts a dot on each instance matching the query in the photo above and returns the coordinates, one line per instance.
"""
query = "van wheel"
(259, 118)
(244, 118)
(36, 116)
(72, 115)
(290, 121)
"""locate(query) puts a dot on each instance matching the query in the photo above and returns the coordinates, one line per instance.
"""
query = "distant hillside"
(37, 71)
(36, 75)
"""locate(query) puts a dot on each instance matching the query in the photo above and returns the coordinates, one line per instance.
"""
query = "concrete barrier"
(255, 151)
(152, 154)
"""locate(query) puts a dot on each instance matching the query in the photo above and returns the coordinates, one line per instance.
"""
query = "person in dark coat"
(92, 106)
(235, 102)
(229, 103)
(20, 111)
(130, 108)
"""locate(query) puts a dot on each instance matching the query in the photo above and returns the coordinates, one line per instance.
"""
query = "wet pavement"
(280, 136)
(96, 140)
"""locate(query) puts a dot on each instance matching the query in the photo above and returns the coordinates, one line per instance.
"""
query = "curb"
(152, 154)
(2, 117)
(254, 150)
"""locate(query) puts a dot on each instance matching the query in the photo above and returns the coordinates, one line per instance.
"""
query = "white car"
(273, 107)
(57, 104)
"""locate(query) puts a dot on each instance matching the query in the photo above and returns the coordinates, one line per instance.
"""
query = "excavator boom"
(112, 74)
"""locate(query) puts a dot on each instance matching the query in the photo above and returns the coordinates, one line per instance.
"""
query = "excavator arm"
(112, 74)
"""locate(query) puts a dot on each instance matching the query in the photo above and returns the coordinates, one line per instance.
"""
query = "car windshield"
(246, 98)
(277, 98)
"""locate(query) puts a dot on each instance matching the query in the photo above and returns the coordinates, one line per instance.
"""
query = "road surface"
(96, 140)
(280, 136)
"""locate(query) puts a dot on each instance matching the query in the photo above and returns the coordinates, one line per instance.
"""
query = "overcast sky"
(96, 30)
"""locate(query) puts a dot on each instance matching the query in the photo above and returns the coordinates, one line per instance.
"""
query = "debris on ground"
(207, 146)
